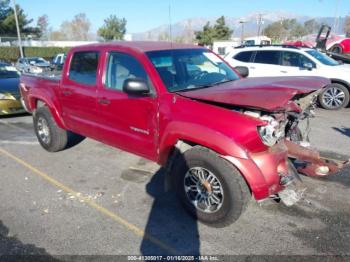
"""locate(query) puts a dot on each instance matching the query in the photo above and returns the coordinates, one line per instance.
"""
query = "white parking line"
(24, 143)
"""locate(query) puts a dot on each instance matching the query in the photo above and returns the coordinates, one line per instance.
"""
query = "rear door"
(127, 122)
(78, 93)
(266, 63)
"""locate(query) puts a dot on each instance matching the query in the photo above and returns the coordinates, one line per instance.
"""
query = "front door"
(127, 122)
(296, 64)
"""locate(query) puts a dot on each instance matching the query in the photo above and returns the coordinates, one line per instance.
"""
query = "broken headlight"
(272, 132)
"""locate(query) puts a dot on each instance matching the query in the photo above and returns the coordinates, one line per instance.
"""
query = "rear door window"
(268, 57)
(83, 68)
(244, 56)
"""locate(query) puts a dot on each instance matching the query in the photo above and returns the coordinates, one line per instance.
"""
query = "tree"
(43, 25)
(57, 36)
(78, 29)
(311, 26)
(206, 36)
(8, 22)
(298, 31)
(347, 26)
(221, 30)
(285, 29)
(275, 31)
(113, 28)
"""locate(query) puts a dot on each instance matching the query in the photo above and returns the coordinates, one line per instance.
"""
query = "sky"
(143, 15)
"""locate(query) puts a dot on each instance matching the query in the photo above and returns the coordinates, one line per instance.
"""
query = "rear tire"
(334, 97)
(227, 184)
(50, 136)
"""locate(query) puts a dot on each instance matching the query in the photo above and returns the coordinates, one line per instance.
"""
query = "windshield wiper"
(204, 86)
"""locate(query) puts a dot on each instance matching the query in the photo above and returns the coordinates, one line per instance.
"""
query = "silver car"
(34, 65)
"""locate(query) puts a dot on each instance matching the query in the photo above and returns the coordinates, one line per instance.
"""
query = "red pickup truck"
(221, 137)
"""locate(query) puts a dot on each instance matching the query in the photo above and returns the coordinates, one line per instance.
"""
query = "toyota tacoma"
(222, 138)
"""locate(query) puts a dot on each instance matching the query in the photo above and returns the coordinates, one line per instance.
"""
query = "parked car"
(10, 99)
(221, 137)
(35, 65)
(297, 61)
(326, 41)
(335, 46)
(58, 61)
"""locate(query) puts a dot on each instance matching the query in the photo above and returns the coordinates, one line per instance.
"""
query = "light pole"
(242, 31)
(18, 32)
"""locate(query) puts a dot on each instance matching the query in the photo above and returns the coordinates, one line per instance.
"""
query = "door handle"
(285, 72)
(66, 92)
(104, 101)
(252, 67)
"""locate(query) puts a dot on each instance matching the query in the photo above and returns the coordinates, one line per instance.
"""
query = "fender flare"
(199, 135)
(35, 103)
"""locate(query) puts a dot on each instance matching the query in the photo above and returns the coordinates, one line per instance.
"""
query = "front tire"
(334, 97)
(210, 188)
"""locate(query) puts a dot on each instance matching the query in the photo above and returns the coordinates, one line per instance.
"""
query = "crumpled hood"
(267, 93)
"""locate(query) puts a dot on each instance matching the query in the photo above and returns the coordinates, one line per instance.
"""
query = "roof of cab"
(142, 46)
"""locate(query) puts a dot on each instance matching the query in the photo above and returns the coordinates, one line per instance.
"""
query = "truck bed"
(52, 75)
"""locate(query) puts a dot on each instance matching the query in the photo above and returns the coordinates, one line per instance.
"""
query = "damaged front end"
(284, 126)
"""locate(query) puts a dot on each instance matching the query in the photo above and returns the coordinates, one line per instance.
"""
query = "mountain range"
(187, 27)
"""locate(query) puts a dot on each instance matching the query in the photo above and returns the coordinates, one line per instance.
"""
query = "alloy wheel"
(203, 189)
(333, 97)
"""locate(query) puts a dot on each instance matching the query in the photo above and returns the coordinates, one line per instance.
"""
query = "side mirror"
(136, 86)
(32, 63)
(308, 66)
(243, 71)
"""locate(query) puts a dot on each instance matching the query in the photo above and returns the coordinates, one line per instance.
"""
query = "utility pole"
(18, 32)
(336, 18)
(170, 24)
(242, 31)
(260, 22)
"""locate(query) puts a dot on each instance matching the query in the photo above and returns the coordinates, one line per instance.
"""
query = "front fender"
(199, 135)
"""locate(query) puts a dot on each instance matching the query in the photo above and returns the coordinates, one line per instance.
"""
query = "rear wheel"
(337, 49)
(209, 187)
(334, 97)
(51, 137)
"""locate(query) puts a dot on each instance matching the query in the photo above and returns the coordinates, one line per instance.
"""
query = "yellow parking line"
(135, 229)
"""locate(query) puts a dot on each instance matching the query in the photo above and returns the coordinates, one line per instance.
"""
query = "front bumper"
(9, 107)
(267, 173)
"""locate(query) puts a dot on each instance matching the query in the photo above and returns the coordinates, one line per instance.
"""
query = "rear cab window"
(268, 57)
(83, 67)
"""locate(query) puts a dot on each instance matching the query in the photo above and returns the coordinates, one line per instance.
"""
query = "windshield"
(187, 69)
(323, 58)
(36, 60)
(8, 72)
